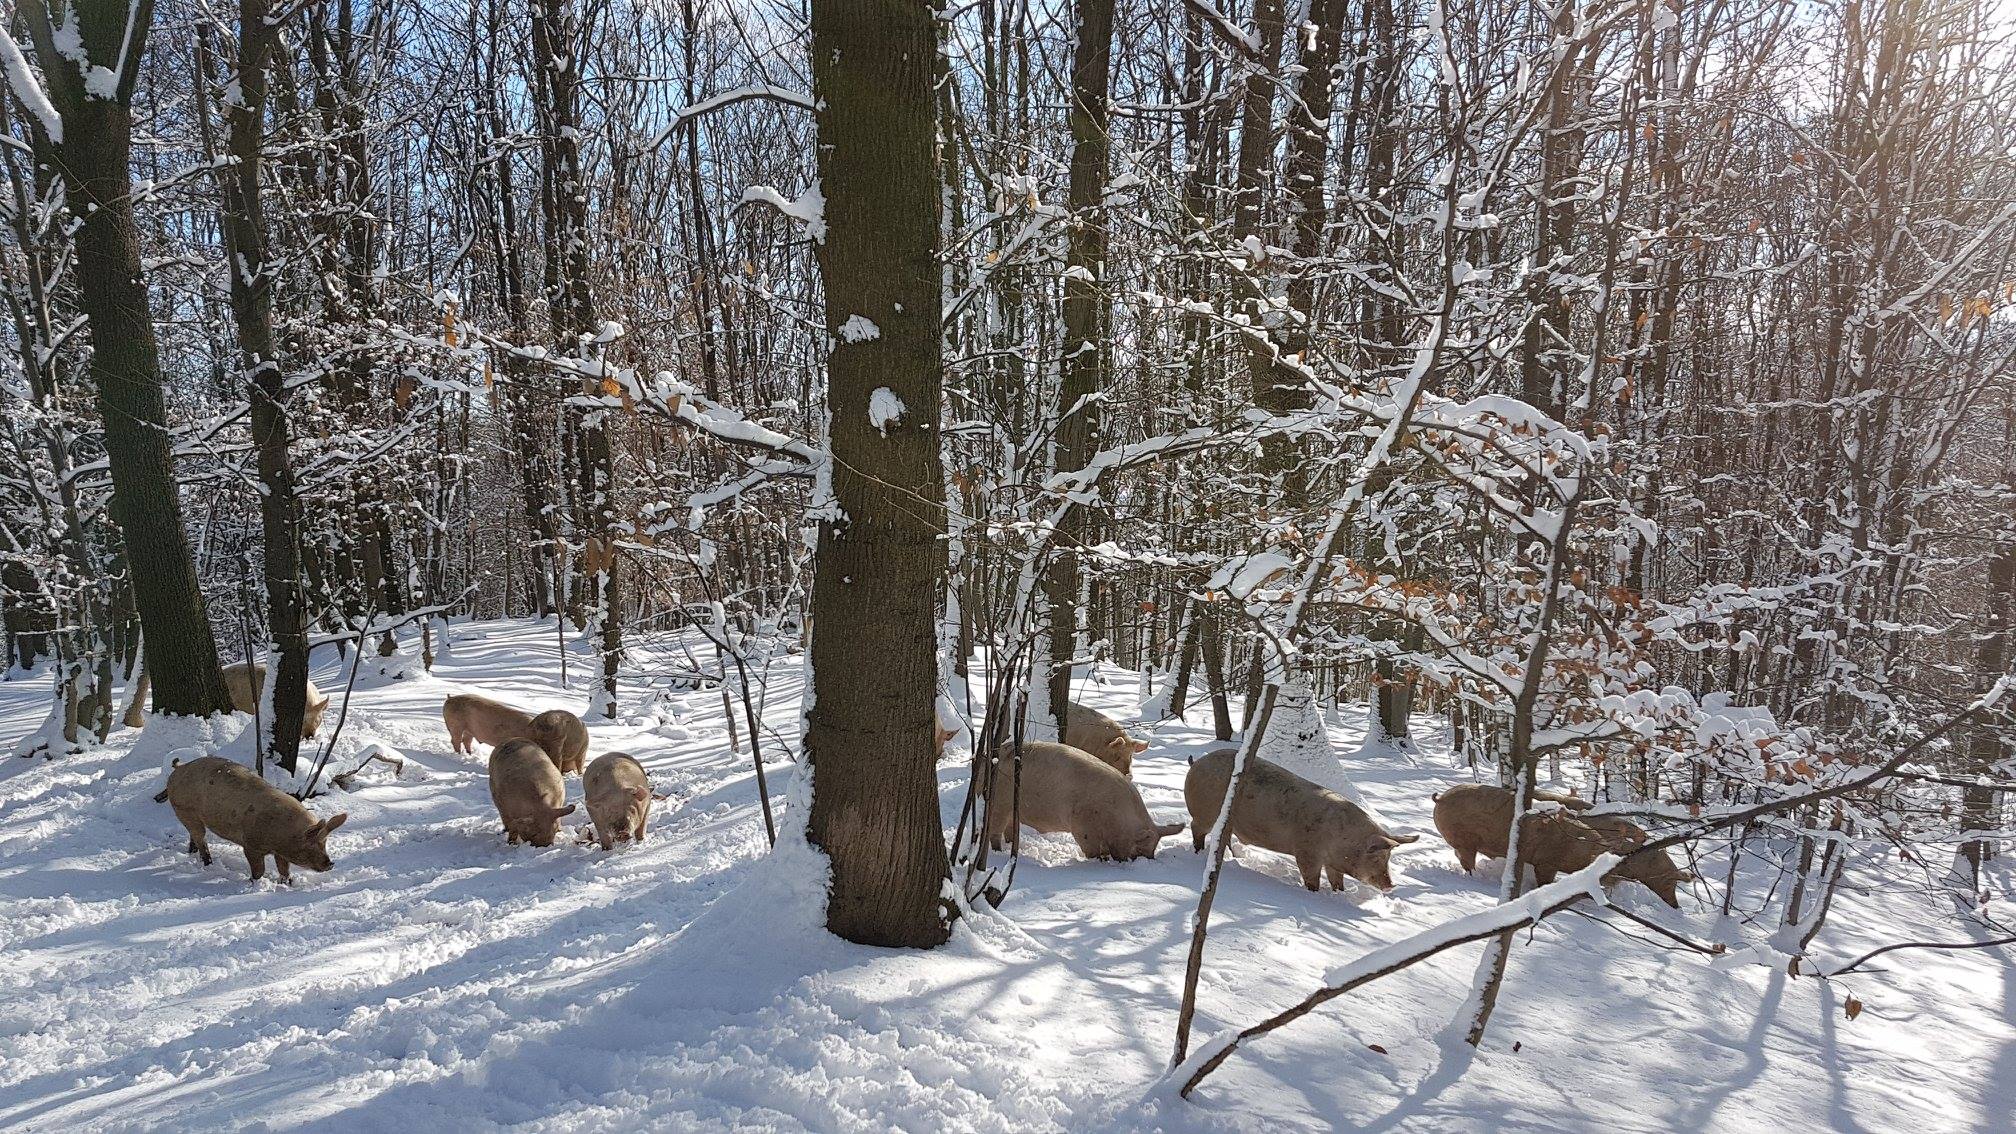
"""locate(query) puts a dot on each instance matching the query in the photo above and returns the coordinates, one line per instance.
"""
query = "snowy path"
(440, 980)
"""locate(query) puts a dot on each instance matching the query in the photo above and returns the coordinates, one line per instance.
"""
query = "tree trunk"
(1084, 364)
(94, 156)
(871, 731)
(556, 43)
(244, 229)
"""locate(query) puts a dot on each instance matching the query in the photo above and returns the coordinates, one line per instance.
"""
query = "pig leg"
(1197, 833)
(1467, 858)
(1543, 875)
(1312, 873)
(198, 845)
(257, 860)
(608, 840)
(637, 836)
(280, 866)
(1336, 878)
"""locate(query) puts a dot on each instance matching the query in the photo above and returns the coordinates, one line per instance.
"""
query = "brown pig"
(1065, 790)
(527, 789)
(245, 682)
(471, 717)
(618, 795)
(213, 794)
(564, 738)
(1276, 809)
(1655, 871)
(1090, 730)
(1475, 819)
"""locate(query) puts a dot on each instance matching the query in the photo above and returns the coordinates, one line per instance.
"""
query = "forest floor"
(439, 980)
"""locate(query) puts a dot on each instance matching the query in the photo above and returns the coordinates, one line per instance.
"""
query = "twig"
(1948, 945)
(1529, 909)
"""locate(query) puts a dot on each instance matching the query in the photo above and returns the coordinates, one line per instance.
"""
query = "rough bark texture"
(556, 40)
(252, 312)
(871, 732)
(1084, 362)
(94, 157)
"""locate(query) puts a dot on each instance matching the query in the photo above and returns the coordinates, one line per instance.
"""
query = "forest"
(1110, 564)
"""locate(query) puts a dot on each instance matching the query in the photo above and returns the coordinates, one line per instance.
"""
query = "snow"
(809, 208)
(859, 329)
(27, 88)
(437, 979)
(884, 408)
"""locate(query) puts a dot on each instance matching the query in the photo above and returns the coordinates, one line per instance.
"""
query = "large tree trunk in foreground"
(94, 157)
(871, 731)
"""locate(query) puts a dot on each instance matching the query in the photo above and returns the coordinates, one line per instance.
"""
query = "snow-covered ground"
(439, 980)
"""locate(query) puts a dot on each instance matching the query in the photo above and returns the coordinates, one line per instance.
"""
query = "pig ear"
(640, 794)
(1164, 830)
(1138, 745)
(333, 822)
(1402, 840)
(557, 812)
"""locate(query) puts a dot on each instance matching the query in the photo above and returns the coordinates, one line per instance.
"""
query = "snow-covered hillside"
(438, 979)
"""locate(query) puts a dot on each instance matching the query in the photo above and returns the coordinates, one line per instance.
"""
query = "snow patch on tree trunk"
(1297, 740)
(884, 407)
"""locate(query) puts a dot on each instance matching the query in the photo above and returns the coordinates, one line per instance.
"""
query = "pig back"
(234, 802)
(522, 778)
(491, 721)
(1064, 789)
(563, 736)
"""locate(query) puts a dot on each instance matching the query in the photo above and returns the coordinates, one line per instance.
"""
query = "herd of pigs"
(1081, 787)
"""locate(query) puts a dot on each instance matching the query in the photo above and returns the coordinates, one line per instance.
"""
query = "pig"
(1654, 871)
(1477, 818)
(245, 681)
(213, 794)
(618, 795)
(471, 717)
(564, 738)
(1066, 790)
(1276, 809)
(1090, 730)
(526, 786)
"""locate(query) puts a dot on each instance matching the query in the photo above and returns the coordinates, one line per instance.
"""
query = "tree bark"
(94, 156)
(871, 731)
(1084, 365)
(244, 228)
(556, 44)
